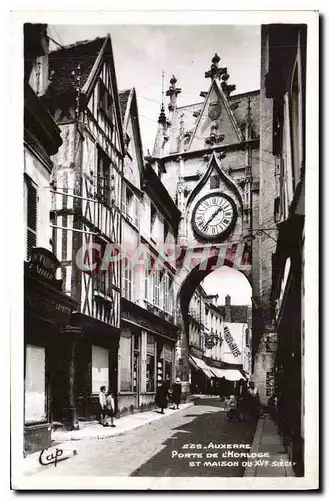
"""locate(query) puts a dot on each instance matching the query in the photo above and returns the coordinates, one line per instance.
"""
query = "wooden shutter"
(31, 207)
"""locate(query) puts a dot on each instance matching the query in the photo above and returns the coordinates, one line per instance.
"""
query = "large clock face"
(214, 216)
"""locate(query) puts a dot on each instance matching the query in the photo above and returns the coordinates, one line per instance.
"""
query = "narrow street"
(153, 450)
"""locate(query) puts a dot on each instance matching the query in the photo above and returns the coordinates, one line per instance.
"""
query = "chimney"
(228, 309)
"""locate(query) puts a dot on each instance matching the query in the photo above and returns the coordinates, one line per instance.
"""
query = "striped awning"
(199, 364)
(232, 374)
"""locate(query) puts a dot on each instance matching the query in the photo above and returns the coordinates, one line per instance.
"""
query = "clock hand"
(212, 217)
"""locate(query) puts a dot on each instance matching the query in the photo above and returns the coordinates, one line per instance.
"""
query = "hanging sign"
(44, 263)
(230, 341)
(210, 341)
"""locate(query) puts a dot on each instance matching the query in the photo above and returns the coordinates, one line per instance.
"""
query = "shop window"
(167, 356)
(31, 213)
(100, 368)
(136, 363)
(125, 362)
(35, 384)
(150, 363)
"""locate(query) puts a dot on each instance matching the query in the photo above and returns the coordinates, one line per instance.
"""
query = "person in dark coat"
(253, 400)
(176, 393)
(161, 397)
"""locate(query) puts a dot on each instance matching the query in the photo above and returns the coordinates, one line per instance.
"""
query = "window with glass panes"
(167, 356)
(166, 302)
(101, 275)
(156, 288)
(103, 177)
(105, 101)
(128, 279)
(150, 363)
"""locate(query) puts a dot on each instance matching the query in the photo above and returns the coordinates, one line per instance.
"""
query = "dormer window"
(105, 101)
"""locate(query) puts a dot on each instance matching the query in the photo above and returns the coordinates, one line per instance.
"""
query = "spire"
(220, 73)
(248, 129)
(173, 92)
(162, 136)
(162, 116)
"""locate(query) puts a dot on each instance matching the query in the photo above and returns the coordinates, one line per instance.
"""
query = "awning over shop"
(199, 364)
(230, 374)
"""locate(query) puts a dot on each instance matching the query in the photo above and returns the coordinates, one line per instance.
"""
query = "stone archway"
(194, 265)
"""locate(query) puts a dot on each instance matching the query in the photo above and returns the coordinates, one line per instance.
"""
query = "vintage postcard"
(165, 338)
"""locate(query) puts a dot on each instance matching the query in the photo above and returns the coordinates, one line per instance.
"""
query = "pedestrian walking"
(109, 409)
(177, 393)
(102, 404)
(253, 400)
(161, 397)
(242, 398)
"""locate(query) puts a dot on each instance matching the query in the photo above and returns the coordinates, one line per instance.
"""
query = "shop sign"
(210, 341)
(270, 382)
(230, 341)
(47, 307)
(146, 323)
(44, 264)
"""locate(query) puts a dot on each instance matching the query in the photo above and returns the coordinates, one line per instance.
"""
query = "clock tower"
(208, 156)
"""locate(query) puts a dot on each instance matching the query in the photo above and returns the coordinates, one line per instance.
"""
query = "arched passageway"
(190, 284)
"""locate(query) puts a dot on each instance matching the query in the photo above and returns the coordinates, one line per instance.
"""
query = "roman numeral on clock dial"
(213, 215)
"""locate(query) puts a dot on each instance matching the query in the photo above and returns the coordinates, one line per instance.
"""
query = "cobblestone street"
(150, 450)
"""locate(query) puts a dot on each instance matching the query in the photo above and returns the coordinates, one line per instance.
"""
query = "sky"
(227, 281)
(143, 52)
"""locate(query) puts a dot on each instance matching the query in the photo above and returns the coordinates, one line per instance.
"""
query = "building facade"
(219, 344)
(86, 219)
(284, 86)
(209, 153)
(47, 310)
(150, 221)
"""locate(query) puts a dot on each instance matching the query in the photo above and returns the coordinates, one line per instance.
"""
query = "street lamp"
(250, 237)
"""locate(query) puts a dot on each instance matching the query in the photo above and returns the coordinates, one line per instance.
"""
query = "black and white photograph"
(168, 333)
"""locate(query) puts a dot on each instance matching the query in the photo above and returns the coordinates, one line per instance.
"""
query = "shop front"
(95, 364)
(146, 357)
(47, 314)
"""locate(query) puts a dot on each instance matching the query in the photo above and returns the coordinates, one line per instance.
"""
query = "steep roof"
(63, 66)
(189, 114)
(239, 314)
(123, 101)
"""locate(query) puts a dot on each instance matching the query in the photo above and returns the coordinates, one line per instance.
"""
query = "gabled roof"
(84, 60)
(239, 314)
(123, 101)
(64, 62)
(128, 105)
(223, 99)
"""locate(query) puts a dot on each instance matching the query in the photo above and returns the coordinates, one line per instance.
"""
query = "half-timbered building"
(150, 221)
(86, 218)
(47, 309)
